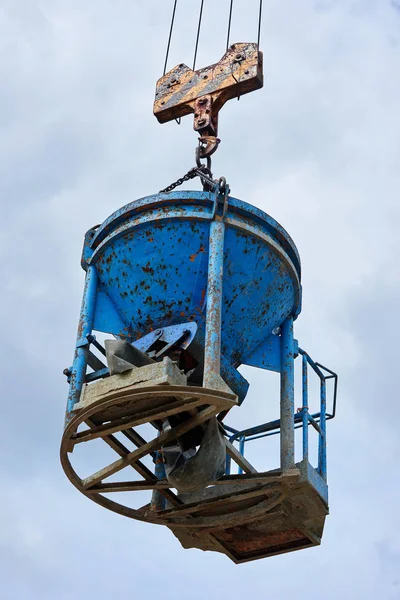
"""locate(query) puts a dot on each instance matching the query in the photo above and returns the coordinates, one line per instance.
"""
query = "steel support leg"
(322, 438)
(212, 354)
(305, 407)
(157, 499)
(86, 319)
(241, 450)
(287, 395)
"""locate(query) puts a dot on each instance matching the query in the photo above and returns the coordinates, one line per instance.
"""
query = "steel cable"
(229, 25)
(170, 36)
(198, 35)
(259, 24)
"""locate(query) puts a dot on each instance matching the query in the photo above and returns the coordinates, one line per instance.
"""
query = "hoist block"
(239, 72)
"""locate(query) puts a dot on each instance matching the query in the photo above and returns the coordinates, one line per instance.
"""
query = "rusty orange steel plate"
(238, 72)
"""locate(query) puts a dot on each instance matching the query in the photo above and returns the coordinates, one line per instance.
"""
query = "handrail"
(301, 420)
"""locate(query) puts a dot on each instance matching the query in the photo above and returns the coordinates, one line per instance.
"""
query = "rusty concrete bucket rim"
(204, 201)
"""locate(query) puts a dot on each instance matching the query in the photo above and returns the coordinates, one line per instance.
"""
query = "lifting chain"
(201, 170)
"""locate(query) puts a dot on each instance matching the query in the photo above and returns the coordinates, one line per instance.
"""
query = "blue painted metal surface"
(215, 278)
(242, 440)
(322, 437)
(287, 395)
(212, 343)
(231, 272)
(302, 419)
(152, 259)
(304, 410)
(158, 501)
(86, 319)
(267, 356)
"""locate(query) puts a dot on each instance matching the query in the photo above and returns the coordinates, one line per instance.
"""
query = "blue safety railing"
(302, 419)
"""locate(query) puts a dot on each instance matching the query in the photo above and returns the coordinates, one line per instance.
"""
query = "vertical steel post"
(86, 319)
(157, 499)
(227, 464)
(322, 438)
(241, 450)
(305, 407)
(212, 353)
(287, 395)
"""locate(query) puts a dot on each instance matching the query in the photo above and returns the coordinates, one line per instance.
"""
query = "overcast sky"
(318, 149)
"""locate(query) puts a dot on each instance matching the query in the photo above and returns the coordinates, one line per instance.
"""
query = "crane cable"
(258, 28)
(170, 36)
(199, 27)
(198, 34)
(229, 25)
(259, 23)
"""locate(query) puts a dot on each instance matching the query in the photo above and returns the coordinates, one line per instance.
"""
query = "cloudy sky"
(318, 149)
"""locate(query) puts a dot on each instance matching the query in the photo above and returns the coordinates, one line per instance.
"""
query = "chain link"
(203, 172)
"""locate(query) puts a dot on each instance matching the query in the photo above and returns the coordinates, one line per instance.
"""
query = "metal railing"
(302, 419)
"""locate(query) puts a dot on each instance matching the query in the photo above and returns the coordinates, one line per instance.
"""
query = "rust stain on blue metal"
(224, 279)
(152, 258)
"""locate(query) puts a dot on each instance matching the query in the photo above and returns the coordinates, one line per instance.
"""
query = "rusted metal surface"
(287, 395)
(151, 403)
(212, 400)
(191, 273)
(138, 466)
(152, 260)
(212, 347)
(295, 521)
(204, 118)
(182, 91)
(237, 73)
(206, 123)
(249, 543)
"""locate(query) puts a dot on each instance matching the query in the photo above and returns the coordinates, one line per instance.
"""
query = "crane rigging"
(183, 91)
(190, 285)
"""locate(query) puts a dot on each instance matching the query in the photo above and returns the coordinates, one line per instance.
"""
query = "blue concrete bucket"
(152, 260)
(191, 285)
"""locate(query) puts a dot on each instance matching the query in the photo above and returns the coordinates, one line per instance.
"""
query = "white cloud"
(318, 149)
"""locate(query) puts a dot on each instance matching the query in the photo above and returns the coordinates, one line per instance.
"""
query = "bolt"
(201, 122)
(158, 331)
(67, 372)
(203, 101)
(238, 57)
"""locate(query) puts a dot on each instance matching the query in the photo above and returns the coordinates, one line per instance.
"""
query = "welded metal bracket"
(183, 91)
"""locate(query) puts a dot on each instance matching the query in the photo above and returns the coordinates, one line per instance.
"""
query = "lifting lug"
(208, 144)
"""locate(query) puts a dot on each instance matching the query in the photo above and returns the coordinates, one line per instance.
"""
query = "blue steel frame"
(77, 373)
(288, 422)
(291, 420)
